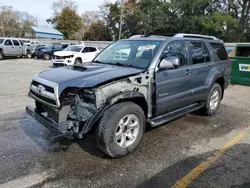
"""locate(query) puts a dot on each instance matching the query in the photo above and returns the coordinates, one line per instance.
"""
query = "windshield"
(73, 48)
(1, 41)
(48, 46)
(135, 53)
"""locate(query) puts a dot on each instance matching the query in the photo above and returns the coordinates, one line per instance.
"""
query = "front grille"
(62, 57)
(51, 101)
(58, 57)
(47, 88)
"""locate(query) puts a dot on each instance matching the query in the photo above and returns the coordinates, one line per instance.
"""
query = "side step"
(175, 114)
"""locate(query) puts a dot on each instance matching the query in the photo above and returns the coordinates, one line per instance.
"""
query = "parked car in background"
(74, 54)
(37, 49)
(11, 47)
(47, 52)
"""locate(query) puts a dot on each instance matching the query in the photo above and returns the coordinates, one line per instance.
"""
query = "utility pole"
(121, 17)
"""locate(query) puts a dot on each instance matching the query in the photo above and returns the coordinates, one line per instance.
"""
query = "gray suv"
(133, 83)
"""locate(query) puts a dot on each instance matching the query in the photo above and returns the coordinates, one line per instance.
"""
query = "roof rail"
(186, 35)
(137, 36)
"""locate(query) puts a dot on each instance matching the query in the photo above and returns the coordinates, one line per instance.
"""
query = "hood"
(64, 53)
(86, 76)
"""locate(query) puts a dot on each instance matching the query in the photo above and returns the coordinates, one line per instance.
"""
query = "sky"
(41, 8)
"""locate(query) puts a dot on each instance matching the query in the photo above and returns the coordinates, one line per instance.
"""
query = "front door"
(8, 48)
(174, 86)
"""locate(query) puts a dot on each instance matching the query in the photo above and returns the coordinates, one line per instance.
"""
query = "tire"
(78, 61)
(29, 55)
(1, 55)
(213, 100)
(119, 145)
(46, 56)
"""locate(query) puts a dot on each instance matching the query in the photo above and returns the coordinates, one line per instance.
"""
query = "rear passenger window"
(16, 43)
(199, 53)
(91, 49)
(220, 50)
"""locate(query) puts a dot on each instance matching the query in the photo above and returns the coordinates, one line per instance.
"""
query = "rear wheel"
(46, 56)
(121, 129)
(213, 100)
(28, 55)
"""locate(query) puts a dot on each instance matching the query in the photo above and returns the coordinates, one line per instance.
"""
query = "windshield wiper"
(96, 61)
(123, 65)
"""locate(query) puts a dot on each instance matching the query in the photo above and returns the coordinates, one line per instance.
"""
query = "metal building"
(39, 32)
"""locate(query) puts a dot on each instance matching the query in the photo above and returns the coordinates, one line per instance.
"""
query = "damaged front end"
(81, 108)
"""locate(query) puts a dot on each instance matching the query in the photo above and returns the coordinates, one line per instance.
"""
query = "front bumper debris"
(54, 127)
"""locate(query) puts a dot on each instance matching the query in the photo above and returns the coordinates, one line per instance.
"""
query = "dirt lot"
(192, 151)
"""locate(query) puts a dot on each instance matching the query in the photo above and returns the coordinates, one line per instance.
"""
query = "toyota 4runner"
(154, 80)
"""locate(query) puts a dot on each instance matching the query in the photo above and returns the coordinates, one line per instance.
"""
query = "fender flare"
(125, 96)
(214, 77)
(111, 101)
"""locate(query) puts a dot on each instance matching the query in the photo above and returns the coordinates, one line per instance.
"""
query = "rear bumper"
(54, 127)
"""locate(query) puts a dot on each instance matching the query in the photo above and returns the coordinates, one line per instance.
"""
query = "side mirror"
(170, 62)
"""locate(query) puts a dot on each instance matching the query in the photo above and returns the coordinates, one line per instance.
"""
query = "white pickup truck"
(11, 47)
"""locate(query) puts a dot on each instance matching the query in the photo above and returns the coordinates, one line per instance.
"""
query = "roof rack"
(186, 35)
(147, 35)
(179, 35)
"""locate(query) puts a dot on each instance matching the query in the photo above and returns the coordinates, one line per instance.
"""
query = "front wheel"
(213, 100)
(46, 56)
(78, 61)
(121, 129)
(1, 55)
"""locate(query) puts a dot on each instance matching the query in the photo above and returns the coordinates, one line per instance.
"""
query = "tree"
(97, 31)
(88, 18)
(14, 23)
(68, 22)
(58, 6)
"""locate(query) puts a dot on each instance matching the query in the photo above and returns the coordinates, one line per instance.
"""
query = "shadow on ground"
(231, 170)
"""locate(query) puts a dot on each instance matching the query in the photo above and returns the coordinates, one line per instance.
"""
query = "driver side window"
(178, 49)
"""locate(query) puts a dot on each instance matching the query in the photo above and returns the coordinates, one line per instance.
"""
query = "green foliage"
(227, 19)
(97, 32)
(68, 22)
(14, 23)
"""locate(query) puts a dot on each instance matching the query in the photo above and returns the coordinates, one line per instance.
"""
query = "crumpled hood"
(64, 53)
(88, 75)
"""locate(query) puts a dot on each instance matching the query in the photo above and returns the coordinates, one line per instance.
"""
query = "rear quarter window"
(220, 50)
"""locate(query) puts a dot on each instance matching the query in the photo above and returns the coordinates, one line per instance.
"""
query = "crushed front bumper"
(54, 127)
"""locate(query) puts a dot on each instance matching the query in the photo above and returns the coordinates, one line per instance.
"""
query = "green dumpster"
(241, 65)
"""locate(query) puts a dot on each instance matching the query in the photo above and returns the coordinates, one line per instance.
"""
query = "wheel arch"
(221, 82)
(131, 96)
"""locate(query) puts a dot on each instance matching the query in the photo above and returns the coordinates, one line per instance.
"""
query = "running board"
(174, 114)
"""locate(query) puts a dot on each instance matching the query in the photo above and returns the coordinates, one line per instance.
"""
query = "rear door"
(88, 54)
(17, 47)
(8, 48)
(201, 68)
(174, 86)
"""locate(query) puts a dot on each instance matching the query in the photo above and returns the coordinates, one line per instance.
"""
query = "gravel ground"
(29, 159)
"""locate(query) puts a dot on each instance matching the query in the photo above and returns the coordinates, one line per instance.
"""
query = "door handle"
(188, 72)
(12, 46)
(209, 67)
